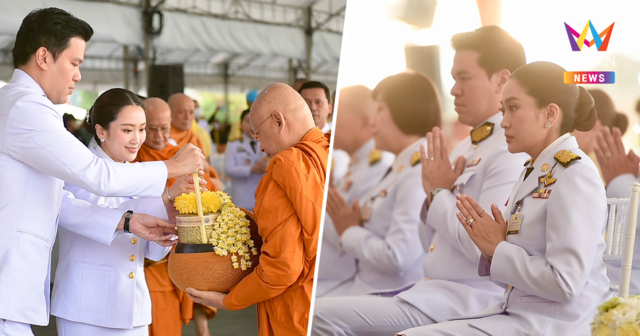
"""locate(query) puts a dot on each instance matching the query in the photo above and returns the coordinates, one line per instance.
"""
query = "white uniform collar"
(495, 119)
(404, 157)
(326, 128)
(545, 152)
(24, 78)
(95, 148)
(362, 154)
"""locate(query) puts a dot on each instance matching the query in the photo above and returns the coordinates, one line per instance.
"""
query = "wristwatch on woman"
(434, 192)
(127, 217)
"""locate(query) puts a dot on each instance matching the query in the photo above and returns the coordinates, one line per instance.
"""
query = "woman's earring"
(102, 140)
(547, 125)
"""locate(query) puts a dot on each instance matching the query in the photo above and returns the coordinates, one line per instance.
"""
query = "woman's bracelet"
(166, 190)
(488, 258)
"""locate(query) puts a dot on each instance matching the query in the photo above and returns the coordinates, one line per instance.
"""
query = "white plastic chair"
(620, 234)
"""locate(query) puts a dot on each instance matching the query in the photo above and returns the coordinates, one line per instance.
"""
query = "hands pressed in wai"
(436, 167)
(612, 156)
(483, 230)
(342, 215)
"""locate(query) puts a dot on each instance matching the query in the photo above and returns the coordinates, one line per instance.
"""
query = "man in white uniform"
(37, 154)
(483, 168)
(368, 166)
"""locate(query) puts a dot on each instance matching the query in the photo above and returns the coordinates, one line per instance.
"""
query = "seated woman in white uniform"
(381, 230)
(100, 289)
(546, 249)
(245, 164)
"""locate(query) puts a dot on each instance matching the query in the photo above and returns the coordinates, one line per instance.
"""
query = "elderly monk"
(288, 209)
(182, 119)
(170, 307)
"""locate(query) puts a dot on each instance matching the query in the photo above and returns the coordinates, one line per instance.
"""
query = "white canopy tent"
(223, 44)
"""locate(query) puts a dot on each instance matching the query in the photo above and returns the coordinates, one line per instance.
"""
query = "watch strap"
(127, 218)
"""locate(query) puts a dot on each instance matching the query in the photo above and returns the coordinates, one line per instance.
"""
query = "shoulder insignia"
(480, 133)
(564, 157)
(374, 156)
(415, 158)
(526, 163)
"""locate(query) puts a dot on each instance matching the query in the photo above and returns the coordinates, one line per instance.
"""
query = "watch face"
(128, 215)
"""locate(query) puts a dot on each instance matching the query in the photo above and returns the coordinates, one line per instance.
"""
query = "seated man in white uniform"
(367, 167)
(37, 155)
(484, 168)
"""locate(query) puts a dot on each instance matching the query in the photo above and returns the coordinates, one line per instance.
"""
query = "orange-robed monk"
(182, 117)
(288, 209)
(170, 307)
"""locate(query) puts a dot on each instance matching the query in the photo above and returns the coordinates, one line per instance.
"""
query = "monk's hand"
(188, 160)
(151, 228)
(612, 156)
(436, 167)
(485, 232)
(185, 185)
(207, 298)
(342, 215)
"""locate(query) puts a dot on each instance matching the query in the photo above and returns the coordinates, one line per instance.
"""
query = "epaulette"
(565, 157)
(480, 133)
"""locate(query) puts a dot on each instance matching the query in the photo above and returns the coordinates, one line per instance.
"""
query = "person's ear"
(552, 115)
(101, 132)
(501, 77)
(42, 58)
(278, 117)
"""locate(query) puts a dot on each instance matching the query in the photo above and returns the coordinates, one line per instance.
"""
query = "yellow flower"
(628, 330)
(211, 202)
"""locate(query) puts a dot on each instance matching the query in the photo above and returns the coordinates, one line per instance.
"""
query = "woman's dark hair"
(412, 100)
(51, 28)
(607, 113)
(107, 107)
(544, 81)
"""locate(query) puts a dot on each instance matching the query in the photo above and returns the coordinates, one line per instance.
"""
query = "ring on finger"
(481, 212)
(470, 221)
(431, 159)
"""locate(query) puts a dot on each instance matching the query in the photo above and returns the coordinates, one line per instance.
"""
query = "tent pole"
(127, 64)
(226, 88)
(308, 33)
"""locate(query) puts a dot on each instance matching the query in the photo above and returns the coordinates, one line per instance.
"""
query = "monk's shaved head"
(183, 111)
(158, 123)
(353, 119)
(280, 118)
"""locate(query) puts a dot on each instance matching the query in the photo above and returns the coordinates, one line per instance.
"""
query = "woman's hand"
(207, 298)
(485, 232)
(184, 185)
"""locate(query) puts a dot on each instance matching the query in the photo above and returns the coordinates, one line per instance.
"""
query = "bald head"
(280, 117)
(158, 123)
(353, 121)
(182, 111)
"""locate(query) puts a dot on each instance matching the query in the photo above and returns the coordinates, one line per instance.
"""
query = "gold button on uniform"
(132, 275)
(510, 287)
(427, 279)
(134, 240)
(132, 258)
(431, 248)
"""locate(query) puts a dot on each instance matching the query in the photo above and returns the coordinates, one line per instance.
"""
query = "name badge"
(366, 212)
(514, 224)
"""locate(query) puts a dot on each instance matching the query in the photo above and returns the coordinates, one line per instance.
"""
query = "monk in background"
(288, 210)
(170, 307)
(182, 118)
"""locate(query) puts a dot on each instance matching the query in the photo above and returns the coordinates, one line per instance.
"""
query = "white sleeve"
(571, 238)
(400, 247)
(89, 220)
(37, 137)
(234, 168)
(620, 186)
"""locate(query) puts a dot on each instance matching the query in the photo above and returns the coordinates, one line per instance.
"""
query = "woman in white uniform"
(245, 164)
(381, 230)
(100, 289)
(546, 249)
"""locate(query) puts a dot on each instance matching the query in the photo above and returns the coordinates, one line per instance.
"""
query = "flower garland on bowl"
(231, 232)
(618, 317)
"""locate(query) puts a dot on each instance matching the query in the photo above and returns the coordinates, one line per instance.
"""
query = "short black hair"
(51, 28)
(498, 50)
(316, 85)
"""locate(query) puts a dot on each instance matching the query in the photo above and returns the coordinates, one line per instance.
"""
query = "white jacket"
(104, 284)
(36, 155)
(239, 159)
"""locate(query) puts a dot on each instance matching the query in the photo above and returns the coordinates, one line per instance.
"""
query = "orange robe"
(170, 307)
(185, 137)
(288, 209)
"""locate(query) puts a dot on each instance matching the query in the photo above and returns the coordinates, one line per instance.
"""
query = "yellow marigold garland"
(231, 232)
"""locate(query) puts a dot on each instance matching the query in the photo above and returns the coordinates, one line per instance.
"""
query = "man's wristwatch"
(434, 192)
(127, 218)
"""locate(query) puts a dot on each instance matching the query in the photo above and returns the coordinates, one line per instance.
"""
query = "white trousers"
(366, 315)
(71, 328)
(451, 328)
(11, 328)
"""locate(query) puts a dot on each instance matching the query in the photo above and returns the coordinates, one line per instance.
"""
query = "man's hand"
(188, 160)
(342, 215)
(436, 167)
(207, 298)
(151, 228)
(612, 156)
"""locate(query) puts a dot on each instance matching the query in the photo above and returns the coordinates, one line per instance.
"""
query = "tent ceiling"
(259, 39)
